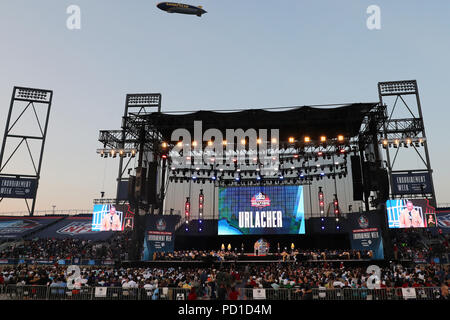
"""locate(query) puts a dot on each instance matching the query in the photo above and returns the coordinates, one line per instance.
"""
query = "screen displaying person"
(410, 217)
(128, 224)
(431, 222)
(111, 221)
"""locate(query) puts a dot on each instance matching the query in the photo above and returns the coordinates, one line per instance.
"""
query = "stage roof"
(296, 122)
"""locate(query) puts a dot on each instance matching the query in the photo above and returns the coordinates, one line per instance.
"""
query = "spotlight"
(274, 140)
(258, 141)
(179, 144)
(243, 142)
(224, 142)
(258, 178)
(323, 228)
(210, 143)
(164, 145)
(194, 143)
(340, 138)
(323, 138)
(291, 140)
(307, 139)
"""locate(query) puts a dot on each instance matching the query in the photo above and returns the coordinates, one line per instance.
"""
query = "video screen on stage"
(410, 213)
(261, 210)
(108, 217)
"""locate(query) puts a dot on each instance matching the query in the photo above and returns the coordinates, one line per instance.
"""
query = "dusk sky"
(241, 54)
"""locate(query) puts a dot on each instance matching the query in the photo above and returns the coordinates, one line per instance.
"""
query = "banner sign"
(159, 235)
(73, 227)
(365, 233)
(19, 188)
(411, 183)
(443, 220)
(18, 227)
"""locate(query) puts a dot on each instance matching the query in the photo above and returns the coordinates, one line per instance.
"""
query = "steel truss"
(33, 98)
(401, 133)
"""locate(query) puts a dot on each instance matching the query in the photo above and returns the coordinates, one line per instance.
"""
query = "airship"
(173, 7)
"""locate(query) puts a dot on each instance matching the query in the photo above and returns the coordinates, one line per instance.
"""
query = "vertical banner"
(365, 233)
(159, 235)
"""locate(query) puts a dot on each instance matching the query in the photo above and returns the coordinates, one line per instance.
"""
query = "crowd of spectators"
(55, 249)
(227, 283)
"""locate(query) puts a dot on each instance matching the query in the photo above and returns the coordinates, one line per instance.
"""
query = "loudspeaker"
(131, 189)
(152, 185)
(140, 182)
(357, 178)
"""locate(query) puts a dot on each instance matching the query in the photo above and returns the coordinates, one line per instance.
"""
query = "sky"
(241, 54)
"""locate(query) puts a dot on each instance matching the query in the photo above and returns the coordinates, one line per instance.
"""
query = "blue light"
(237, 178)
(302, 175)
(281, 177)
(213, 177)
(258, 178)
(194, 177)
(322, 219)
(337, 227)
(322, 174)
(323, 228)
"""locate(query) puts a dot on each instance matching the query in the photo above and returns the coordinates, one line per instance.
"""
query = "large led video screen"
(108, 217)
(413, 213)
(261, 210)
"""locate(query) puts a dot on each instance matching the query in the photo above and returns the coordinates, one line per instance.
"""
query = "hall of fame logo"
(260, 200)
(161, 225)
(363, 221)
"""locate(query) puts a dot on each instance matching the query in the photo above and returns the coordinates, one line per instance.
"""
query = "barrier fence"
(16, 292)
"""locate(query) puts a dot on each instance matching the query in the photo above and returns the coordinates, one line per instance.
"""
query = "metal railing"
(17, 292)
(69, 212)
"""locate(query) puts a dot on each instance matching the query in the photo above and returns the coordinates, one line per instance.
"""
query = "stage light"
(322, 174)
(164, 145)
(281, 177)
(291, 140)
(224, 142)
(210, 143)
(194, 177)
(323, 228)
(274, 140)
(340, 138)
(323, 138)
(213, 178)
(179, 144)
(243, 142)
(258, 178)
(194, 143)
(237, 178)
(258, 141)
(307, 139)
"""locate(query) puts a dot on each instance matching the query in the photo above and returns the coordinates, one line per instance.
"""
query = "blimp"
(173, 7)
